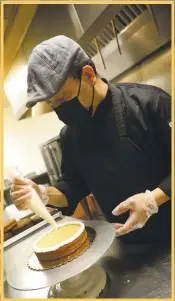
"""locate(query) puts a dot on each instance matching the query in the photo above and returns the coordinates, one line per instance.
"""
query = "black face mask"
(73, 113)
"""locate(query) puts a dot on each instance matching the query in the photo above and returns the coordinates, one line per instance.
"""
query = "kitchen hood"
(135, 33)
(116, 37)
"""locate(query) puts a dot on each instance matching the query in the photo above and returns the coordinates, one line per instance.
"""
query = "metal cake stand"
(21, 277)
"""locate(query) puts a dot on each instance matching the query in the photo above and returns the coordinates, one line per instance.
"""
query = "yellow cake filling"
(58, 236)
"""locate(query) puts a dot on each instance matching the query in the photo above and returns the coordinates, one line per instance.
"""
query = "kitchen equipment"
(21, 277)
(92, 283)
(51, 152)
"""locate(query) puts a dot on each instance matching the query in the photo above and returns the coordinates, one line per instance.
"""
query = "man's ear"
(88, 75)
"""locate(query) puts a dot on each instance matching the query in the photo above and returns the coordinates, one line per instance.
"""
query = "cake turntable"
(80, 278)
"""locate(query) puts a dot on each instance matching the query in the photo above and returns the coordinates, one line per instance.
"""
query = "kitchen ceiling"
(9, 15)
(119, 32)
(17, 19)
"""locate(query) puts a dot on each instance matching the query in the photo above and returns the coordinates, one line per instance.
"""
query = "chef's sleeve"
(71, 184)
(162, 126)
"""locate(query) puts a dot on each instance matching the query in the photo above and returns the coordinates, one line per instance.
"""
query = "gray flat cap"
(50, 65)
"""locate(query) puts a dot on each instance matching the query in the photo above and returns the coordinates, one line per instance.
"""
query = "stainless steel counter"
(139, 272)
(134, 273)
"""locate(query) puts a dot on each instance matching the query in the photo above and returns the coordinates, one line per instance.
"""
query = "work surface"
(139, 274)
(134, 273)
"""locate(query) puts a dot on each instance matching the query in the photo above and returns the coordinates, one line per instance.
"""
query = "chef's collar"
(104, 105)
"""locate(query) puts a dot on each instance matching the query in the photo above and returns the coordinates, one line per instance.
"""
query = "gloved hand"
(142, 206)
(21, 192)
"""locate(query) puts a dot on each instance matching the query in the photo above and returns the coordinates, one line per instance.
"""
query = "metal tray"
(29, 231)
(21, 277)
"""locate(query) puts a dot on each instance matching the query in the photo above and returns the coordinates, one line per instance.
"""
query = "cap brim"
(32, 103)
(33, 99)
(37, 94)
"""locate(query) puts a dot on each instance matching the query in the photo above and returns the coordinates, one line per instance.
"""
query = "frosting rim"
(37, 249)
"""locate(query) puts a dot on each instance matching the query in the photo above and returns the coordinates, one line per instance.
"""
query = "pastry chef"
(116, 142)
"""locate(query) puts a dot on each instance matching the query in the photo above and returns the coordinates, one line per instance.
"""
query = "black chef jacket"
(124, 150)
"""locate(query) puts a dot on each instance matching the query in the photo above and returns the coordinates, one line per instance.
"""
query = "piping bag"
(35, 203)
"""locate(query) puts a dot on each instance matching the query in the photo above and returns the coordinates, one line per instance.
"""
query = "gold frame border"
(1, 152)
(173, 117)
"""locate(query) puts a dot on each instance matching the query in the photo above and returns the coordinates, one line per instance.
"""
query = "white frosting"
(37, 249)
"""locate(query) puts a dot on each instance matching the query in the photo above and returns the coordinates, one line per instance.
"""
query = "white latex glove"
(21, 192)
(141, 206)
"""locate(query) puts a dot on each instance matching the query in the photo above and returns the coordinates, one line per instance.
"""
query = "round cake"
(61, 241)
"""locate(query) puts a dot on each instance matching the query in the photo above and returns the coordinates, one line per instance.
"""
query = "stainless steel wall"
(154, 71)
